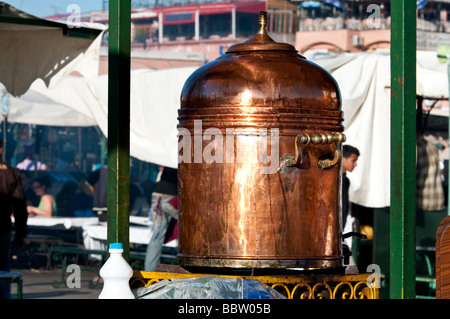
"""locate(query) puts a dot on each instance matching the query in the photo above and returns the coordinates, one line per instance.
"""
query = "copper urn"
(259, 173)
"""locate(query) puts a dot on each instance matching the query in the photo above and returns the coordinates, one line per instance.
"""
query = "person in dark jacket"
(98, 181)
(12, 201)
(350, 155)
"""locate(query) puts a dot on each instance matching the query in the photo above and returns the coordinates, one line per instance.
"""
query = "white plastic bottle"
(116, 274)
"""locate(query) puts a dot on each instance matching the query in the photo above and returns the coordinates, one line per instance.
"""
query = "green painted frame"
(403, 150)
(119, 62)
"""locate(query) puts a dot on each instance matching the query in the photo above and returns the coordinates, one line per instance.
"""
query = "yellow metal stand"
(359, 286)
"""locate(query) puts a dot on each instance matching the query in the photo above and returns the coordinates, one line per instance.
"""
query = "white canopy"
(77, 101)
(366, 106)
(364, 81)
(32, 48)
(36, 107)
(363, 78)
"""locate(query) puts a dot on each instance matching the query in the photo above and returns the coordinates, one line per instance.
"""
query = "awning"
(32, 48)
(178, 18)
(186, 14)
(420, 4)
(311, 4)
(335, 4)
(143, 15)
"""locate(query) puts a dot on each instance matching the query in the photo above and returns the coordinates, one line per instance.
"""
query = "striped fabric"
(430, 193)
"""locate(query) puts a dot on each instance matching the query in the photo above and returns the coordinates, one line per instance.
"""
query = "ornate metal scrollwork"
(292, 287)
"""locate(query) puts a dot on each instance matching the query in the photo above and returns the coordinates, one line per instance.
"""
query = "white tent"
(34, 107)
(77, 101)
(364, 81)
(155, 100)
(366, 106)
(363, 78)
(32, 48)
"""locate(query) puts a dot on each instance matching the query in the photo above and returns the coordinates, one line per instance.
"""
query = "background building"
(209, 27)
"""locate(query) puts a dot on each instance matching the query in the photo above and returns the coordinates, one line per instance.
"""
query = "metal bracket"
(290, 161)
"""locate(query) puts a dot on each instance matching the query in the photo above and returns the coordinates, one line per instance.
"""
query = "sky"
(44, 8)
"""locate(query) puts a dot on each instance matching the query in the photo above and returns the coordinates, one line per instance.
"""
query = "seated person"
(47, 205)
(83, 201)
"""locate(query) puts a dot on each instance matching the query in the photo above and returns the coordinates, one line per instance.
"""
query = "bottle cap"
(115, 246)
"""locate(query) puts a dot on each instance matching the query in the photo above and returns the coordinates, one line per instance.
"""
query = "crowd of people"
(28, 193)
(84, 198)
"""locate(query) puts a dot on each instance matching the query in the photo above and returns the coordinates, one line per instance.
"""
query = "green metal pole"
(403, 150)
(119, 122)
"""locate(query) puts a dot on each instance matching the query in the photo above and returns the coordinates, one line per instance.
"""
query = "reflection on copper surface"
(242, 182)
(246, 98)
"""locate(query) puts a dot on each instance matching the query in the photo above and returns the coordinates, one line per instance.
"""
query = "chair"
(7, 277)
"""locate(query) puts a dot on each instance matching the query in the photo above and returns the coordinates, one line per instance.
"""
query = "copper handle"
(289, 161)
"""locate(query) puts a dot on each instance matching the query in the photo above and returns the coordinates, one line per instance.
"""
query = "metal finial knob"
(262, 22)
